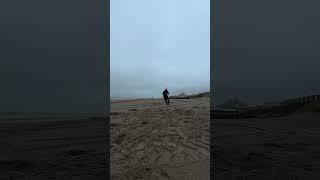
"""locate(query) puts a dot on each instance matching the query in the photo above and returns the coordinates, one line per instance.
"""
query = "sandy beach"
(267, 148)
(53, 149)
(152, 140)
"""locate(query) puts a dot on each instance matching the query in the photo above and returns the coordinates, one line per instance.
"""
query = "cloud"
(158, 44)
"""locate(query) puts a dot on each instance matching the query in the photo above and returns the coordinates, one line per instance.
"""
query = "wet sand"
(267, 148)
(53, 149)
(152, 140)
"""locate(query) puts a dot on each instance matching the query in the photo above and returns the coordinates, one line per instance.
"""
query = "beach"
(52, 147)
(148, 140)
(285, 147)
(152, 140)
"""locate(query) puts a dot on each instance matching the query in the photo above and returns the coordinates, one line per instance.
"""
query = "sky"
(52, 56)
(52, 53)
(270, 50)
(159, 44)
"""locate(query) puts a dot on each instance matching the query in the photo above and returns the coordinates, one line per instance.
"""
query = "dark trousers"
(166, 99)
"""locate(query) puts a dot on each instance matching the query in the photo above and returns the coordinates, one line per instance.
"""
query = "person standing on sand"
(166, 96)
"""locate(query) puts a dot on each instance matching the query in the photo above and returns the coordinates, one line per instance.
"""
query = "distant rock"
(185, 96)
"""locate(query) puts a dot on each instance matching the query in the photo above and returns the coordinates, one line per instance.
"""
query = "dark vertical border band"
(215, 55)
(105, 41)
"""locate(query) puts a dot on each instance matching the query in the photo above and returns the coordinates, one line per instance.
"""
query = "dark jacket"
(165, 92)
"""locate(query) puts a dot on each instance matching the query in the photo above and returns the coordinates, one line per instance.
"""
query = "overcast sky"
(270, 50)
(51, 56)
(159, 44)
(52, 51)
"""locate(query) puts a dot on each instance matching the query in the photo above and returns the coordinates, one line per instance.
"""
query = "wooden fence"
(281, 108)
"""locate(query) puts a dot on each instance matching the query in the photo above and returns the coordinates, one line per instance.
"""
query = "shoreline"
(25, 118)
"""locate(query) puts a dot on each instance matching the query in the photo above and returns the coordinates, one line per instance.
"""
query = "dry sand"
(63, 149)
(267, 148)
(152, 140)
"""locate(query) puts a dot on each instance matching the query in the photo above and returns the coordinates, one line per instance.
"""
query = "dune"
(152, 140)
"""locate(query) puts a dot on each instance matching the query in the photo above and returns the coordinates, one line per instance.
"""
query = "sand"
(152, 140)
(149, 140)
(267, 148)
(53, 149)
